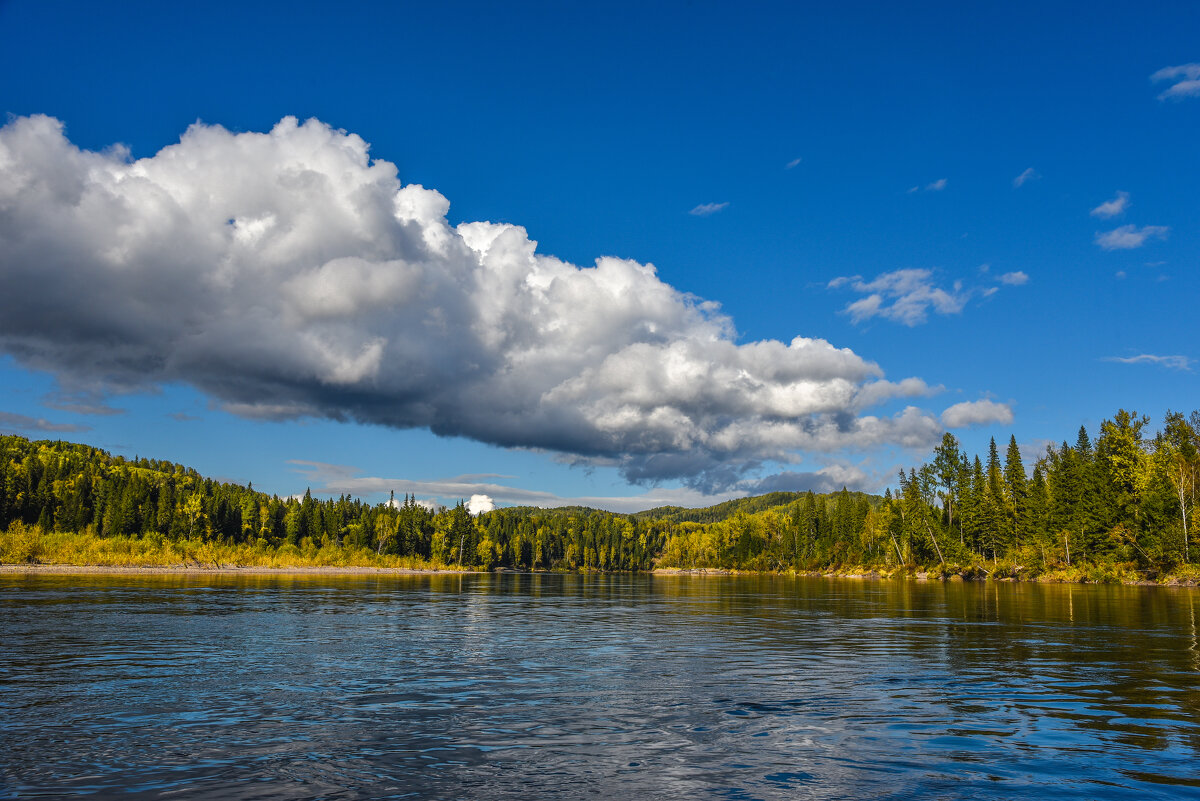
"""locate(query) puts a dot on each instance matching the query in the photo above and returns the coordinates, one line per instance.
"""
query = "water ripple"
(593, 686)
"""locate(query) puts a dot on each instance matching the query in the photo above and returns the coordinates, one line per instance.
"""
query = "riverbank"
(1054, 577)
(1086, 574)
(233, 570)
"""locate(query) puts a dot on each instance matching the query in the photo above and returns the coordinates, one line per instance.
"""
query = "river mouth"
(548, 685)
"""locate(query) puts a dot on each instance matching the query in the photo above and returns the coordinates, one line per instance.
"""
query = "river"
(613, 686)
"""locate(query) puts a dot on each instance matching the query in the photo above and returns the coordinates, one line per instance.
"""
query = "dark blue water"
(509, 686)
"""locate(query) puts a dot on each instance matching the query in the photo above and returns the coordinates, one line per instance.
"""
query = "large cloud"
(286, 274)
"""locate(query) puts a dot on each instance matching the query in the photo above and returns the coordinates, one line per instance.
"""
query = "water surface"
(552, 686)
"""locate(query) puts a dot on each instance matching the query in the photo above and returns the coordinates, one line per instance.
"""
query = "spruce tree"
(1018, 493)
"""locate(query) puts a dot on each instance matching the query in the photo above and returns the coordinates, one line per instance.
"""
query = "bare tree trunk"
(936, 547)
(899, 555)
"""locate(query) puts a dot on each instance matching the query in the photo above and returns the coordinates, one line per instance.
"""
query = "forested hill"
(1116, 507)
(779, 501)
(54, 486)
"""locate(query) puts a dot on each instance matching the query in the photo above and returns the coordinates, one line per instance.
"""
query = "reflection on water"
(534, 686)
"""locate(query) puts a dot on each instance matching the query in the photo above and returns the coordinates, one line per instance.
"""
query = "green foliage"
(1116, 510)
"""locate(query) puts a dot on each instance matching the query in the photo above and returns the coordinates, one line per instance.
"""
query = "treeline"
(70, 488)
(65, 487)
(1112, 507)
(1116, 508)
(1124, 499)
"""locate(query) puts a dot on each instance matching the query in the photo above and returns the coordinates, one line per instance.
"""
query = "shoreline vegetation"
(26, 549)
(865, 574)
(1114, 510)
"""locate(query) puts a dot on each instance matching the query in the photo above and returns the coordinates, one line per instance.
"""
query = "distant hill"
(747, 506)
(706, 514)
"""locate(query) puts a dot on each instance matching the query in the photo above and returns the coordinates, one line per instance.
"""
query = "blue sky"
(924, 190)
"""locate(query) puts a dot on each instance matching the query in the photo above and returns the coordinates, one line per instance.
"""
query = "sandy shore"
(226, 569)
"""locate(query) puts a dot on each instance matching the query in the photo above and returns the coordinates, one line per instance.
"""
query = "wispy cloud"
(337, 479)
(86, 402)
(333, 479)
(1030, 174)
(793, 163)
(20, 422)
(706, 209)
(1184, 79)
(908, 296)
(932, 186)
(1128, 237)
(977, 413)
(1111, 208)
(1170, 362)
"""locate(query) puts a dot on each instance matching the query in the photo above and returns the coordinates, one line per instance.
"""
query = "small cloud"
(1111, 208)
(933, 186)
(793, 163)
(480, 504)
(706, 209)
(1184, 78)
(977, 413)
(1170, 362)
(19, 422)
(1015, 278)
(908, 296)
(1128, 237)
(842, 280)
(1120, 274)
(1030, 174)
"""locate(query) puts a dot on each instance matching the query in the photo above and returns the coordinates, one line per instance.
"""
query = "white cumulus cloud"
(288, 274)
(1184, 80)
(1014, 278)
(478, 504)
(1128, 237)
(976, 413)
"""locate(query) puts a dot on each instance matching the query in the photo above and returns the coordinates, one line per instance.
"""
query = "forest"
(1114, 508)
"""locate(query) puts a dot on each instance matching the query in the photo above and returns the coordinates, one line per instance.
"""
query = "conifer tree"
(1018, 493)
